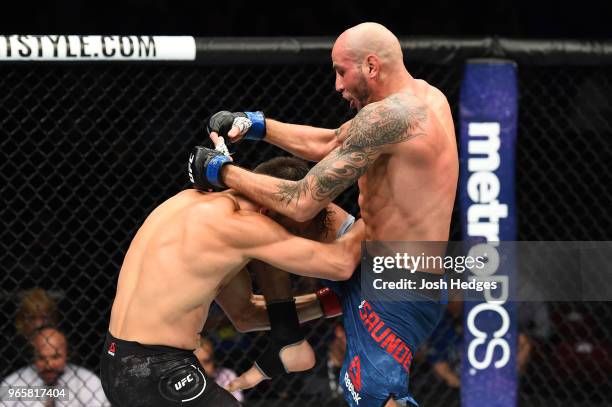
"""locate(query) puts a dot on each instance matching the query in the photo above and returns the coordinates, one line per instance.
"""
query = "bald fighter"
(401, 149)
(190, 251)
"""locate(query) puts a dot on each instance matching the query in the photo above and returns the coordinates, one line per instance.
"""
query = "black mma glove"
(252, 125)
(204, 168)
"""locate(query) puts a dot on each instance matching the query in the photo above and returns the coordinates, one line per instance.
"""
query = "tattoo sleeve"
(377, 125)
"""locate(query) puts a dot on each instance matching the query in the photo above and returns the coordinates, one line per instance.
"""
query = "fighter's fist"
(237, 125)
(204, 168)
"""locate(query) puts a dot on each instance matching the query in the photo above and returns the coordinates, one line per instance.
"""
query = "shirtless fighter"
(401, 149)
(192, 250)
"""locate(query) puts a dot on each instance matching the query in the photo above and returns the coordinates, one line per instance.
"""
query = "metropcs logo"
(352, 379)
(483, 216)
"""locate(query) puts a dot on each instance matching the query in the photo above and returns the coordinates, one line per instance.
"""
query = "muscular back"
(408, 191)
(193, 245)
(167, 280)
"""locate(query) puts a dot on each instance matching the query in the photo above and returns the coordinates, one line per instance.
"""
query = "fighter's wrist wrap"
(204, 168)
(330, 303)
(258, 126)
(284, 331)
(213, 170)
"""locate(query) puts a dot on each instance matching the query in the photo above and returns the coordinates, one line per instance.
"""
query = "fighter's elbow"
(341, 275)
(306, 210)
(348, 270)
(247, 321)
(242, 325)
(245, 325)
(313, 154)
(319, 153)
(317, 148)
(343, 271)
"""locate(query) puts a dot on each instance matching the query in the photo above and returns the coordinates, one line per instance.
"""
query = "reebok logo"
(112, 348)
(352, 379)
(354, 372)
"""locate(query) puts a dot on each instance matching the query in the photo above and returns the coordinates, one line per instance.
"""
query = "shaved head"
(369, 64)
(371, 38)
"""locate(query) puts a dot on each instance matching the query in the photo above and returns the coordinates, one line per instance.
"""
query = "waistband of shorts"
(137, 348)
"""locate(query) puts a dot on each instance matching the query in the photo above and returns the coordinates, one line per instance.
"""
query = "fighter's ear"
(373, 65)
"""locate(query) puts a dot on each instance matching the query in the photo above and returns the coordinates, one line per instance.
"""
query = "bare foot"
(295, 358)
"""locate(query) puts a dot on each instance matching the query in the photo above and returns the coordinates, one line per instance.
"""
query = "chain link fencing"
(88, 150)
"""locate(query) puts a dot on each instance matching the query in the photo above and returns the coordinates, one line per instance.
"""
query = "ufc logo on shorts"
(180, 384)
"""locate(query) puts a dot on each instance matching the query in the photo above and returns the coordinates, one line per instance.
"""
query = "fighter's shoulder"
(395, 112)
(408, 106)
(250, 228)
(255, 219)
(210, 209)
(433, 97)
(215, 202)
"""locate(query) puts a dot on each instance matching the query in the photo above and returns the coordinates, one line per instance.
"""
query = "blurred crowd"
(44, 355)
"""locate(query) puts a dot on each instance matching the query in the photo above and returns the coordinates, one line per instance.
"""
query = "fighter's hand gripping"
(234, 126)
(204, 168)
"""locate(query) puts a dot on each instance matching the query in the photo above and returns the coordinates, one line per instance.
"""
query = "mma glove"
(252, 125)
(285, 329)
(329, 302)
(204, 168)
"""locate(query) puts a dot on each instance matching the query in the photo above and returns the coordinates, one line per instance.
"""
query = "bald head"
(369, 64)
(372, 38)
(49, 337)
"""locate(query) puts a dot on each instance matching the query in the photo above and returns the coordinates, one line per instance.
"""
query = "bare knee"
(391, 403)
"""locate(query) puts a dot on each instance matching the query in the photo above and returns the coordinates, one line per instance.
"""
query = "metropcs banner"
(488, 110)
(96, 48)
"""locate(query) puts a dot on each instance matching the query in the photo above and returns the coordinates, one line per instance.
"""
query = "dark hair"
(293, 169)
(289, 168)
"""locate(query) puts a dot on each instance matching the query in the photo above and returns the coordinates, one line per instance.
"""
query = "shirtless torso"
(189, 249)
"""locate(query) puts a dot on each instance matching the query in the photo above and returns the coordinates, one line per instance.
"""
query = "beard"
(51, 376)
(361, 93)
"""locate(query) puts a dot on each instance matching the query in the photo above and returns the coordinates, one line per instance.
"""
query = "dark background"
(89, 149)
(508, 18)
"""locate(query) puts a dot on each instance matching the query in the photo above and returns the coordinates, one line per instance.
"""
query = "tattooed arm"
(374, 131)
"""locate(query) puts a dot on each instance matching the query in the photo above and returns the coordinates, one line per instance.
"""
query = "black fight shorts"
(136, 375)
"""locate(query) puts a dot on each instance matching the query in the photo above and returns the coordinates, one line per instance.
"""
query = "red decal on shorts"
(384, 336)
(112, 349)
(354, 372)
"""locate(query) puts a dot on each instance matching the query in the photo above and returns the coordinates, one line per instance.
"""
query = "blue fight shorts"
(381, 337)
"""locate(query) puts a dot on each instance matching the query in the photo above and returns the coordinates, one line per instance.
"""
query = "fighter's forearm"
(308, 309)
(290, 198)
(310, 143)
